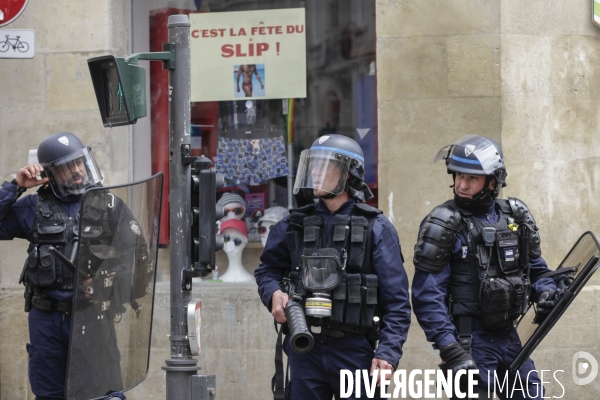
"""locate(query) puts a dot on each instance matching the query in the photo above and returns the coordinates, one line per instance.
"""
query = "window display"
(256, 141)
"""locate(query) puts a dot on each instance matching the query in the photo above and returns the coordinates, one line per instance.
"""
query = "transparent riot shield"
(571, 275)
(113, 303)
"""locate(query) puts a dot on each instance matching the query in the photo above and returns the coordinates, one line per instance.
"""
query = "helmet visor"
(324, 171)
(74, 173)
(487, 157)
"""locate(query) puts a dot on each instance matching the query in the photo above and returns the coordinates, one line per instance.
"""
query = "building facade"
(417, 73)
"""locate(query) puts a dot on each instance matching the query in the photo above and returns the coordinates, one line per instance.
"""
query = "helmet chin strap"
(479, 196)
(328, 196)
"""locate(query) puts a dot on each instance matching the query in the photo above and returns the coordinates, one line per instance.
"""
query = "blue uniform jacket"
(429, 292)
(387, 264)
(20, 216)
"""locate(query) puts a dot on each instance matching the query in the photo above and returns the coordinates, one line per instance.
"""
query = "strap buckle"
(465, 341)
(465, 337)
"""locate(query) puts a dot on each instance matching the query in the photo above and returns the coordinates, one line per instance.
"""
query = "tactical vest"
(51, 227)
(354, 300)
(490, 282)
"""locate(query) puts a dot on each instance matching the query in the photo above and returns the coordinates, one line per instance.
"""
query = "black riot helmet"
(333, 152)
(69, 165)
(476, 155)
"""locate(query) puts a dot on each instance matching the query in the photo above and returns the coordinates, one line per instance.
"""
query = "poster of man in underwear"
(248, 71)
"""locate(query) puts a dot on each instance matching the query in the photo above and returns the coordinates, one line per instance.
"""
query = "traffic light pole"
(181, 367)
(120, 81)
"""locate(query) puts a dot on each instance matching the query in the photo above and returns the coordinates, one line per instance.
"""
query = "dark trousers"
(316, 375)
(48, 350)
(493, 352)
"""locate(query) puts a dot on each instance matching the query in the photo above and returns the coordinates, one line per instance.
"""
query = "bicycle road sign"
(10, 10)
(17, 43)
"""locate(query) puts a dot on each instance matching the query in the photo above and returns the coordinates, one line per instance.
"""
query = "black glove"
(545, 304)
(456, 358)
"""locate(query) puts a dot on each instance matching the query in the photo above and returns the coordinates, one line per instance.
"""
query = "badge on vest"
(464, 249)
(509, 254)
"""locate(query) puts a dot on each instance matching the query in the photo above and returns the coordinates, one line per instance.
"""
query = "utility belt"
(39, 301)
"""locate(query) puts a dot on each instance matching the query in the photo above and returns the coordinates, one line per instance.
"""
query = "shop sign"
(248, 55)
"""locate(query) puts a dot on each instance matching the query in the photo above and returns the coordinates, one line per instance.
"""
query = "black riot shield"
(113, 303)
(572, 274)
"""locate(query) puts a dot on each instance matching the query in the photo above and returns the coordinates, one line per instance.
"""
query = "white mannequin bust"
(236, 238)
(230, 211)
(272, 216)
(267, 225)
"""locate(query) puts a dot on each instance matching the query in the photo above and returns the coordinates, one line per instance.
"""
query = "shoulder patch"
(135, 228)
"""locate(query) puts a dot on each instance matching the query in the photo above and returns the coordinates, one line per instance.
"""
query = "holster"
(28, 295)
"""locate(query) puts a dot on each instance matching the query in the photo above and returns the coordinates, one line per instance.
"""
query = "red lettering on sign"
(261, 47)
(227, 50)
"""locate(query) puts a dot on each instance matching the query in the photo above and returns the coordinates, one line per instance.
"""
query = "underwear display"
(252, 161)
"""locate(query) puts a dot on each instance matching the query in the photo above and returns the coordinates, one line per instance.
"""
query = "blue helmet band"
(465, 160)
(341, 151)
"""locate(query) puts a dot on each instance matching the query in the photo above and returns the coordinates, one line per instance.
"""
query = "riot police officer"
(478, 264)
(49, 219)
(366, 294)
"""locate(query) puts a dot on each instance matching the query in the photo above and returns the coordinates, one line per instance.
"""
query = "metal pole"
(181, 365)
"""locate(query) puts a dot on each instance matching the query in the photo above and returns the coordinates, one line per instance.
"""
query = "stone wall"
(523, 73)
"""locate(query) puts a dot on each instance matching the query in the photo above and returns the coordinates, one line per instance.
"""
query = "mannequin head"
(272, 216)
(234, 206)
(264, 229)
(235, 238)
(235, 241)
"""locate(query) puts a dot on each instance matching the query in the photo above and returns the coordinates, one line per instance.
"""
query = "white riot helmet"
(69, 165)
(333, 163)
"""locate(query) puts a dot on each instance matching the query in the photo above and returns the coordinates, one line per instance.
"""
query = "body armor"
(53, 227)
(354, 299)
(491, 279)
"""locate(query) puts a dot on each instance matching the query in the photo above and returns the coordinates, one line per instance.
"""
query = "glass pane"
(256, 143)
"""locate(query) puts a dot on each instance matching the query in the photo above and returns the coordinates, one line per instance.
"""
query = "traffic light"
(206, 213)
(120, 84)
(120, 88)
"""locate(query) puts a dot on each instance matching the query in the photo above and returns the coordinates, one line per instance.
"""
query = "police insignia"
(469, 149)
(135, 228)
(322, 139)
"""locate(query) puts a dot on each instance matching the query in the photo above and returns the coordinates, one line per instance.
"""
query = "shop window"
(341, 98)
